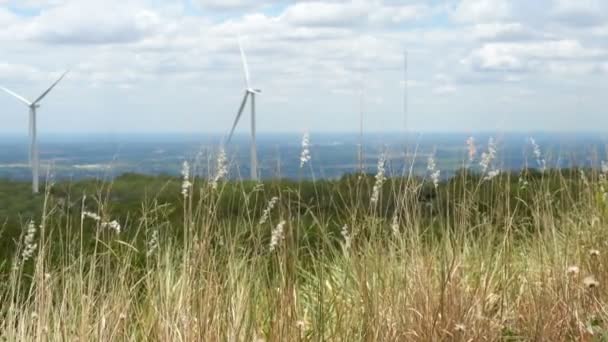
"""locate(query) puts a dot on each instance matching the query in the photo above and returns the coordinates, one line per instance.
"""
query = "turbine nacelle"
(254, 91)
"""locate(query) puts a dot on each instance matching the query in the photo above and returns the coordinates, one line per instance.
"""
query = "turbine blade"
(51, 88)
(245, 66)
(19, 97)
(238, 117)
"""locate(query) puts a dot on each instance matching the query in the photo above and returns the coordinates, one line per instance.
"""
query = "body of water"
(333, 155)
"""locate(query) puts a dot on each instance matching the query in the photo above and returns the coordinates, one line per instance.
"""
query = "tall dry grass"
(436, 269)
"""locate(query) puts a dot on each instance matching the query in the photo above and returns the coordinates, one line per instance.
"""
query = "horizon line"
(294, 132)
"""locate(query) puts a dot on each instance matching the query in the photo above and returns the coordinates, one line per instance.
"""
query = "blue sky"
(173, 66)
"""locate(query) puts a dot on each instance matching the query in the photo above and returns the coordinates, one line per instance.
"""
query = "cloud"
(352, 13)
(528, 56)
(33, 4)
(511, 31)
(228, 4)
(7, 18)
(580, 12)
(18, 72)
(318, 13)
(398, 14)
(166, 52)
(108, 22)
(445, 89)
(444, 85)
(479, 11)
(600, 31)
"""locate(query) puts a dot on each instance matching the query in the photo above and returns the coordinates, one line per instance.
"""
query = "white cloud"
(18, 72)
(353, 13)
(600, 31)
(445, 89)
(7, 20)
(319, 13)
(528, 56)
(165, 54)
(93, 23)
(398, 14)
(250, 25)
(580, 12)
(512, 31)
(34, 4)
(444, 85)
(228, 4)
(479, 11)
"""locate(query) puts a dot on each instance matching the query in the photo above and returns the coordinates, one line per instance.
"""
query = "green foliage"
(472, 256)
(335, 202)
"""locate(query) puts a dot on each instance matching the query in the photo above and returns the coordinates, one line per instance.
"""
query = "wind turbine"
(249, 91)
(33, 106)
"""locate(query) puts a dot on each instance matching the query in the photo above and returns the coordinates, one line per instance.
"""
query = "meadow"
(484, 255)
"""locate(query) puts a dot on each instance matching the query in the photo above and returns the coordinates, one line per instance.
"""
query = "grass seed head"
(471, 149)
(590, 282)
(347, 237)
(380, 178)
(572, 271)
(29, 242)
(305, 155)
(433, 171)
(266, 214)
(278, 235)
(186, 185)
(221, 169)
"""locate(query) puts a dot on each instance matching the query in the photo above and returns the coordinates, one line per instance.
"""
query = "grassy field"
(479, 257)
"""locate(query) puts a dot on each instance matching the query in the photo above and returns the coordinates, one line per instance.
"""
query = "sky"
(174, 65)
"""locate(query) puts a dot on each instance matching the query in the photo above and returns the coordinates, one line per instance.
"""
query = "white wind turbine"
(249, 91)
(33, 156)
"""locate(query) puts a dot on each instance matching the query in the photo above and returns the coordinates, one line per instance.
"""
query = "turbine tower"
(249, 91)
(405, 98)
(33, 106)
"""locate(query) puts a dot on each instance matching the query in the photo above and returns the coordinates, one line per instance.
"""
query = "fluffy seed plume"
(523, 183)
(29, 244)
(492, 174)
(266, 214)
(395, 225)
(487, 161)
(186, 185)
(278, 235)
(471, 149)
(542, 164)
(305, 155)
(113, 225)
(434, 173)
(153, 243)
(91, 215)
(590, 282)
(347, 238)
(221, 170)
(488, 156)
(572, 271)
(380, 178)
